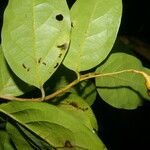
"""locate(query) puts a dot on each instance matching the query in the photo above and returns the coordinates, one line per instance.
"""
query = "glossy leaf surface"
(124, 90)
(35, 38)
(95, 26)
(9, 83)
(51, 124)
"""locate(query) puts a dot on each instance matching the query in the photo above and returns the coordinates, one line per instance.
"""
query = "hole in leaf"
(59, 17)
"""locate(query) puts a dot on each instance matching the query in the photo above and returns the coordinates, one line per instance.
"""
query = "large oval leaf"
(95, 26)
(124, 90)
(51, 124)
(10, 85)
(35, 38)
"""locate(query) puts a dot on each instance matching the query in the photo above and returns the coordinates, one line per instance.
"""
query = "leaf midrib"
(37, 75)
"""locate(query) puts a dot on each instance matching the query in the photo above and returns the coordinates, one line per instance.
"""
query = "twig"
(75, 82)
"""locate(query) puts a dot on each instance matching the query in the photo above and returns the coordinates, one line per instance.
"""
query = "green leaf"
(5, 143)
(35, 38)
(63, 76)
(76, 106)
(52, 125)
(35, 141)
(95, 26)
(147, 70)
(125, 90)
(17, 138)
(10, 85)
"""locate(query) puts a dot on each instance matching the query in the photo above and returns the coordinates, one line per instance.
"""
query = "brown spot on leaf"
(72, 24)
(74, 104)
(28, 69)
(24, 66)
(63, 46)
(44, 63)
(68, 144)
(39, 60)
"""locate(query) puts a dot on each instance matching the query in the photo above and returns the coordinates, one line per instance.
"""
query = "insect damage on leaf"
(59, 17)
(76, 105)
(25, 67)
(44, 63)
(56, 65)
(72, 24)
(60, 55)
(68, 144)
(28, 69)
(39, 60)
(63, 46)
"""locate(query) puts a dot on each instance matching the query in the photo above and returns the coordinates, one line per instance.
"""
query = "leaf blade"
(31, 43)
(10, 84)
(122, 90)
(93, 32)
(27, 112)
(76, 106)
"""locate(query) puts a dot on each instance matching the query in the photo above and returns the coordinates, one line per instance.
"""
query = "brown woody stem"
(75, 82)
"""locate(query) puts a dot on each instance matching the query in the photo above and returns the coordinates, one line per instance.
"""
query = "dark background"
(124, 129)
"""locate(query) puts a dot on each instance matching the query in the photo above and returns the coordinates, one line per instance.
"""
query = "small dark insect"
(39, 60)
(44, 63)
(68, 144)
(59, 17)
(63, 46)
(56, 65)
(23, 65)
